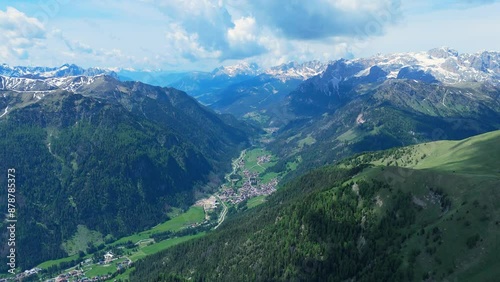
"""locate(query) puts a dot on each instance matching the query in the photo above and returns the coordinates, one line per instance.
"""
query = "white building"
(108, 257)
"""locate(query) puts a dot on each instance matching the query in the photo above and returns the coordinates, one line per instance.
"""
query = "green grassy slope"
(475, 155)
(467, 173)
(433, 216)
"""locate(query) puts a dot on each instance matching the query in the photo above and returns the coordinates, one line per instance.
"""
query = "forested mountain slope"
(109, 155)
(393, 113)
(410, 214)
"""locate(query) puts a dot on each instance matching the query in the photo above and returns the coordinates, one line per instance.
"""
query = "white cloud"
(356, 5)
(202, 34)
(18, 34)
(245, 39)
(207, 19)
(243, 32)
(180, 42)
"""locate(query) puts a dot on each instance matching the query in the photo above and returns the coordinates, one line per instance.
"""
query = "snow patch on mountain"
(284, 72)
(242, 68)
(294, 70)
(445, 64)
(38, 85)
(47, 72)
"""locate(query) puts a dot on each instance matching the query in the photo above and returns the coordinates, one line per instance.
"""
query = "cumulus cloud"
(19, 33)
(245, 40)
(204, 33)
(238, 29)
(201, 24)
(188, 44)
(318, 19)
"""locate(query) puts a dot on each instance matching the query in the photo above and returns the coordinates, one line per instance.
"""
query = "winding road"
(223, 214)
(235, 165)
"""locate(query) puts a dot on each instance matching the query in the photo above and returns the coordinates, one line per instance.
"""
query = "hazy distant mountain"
(294, 70)
(47, 72)
(243, 68)
(260, 95)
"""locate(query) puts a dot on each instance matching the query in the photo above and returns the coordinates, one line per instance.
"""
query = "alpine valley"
(386, 169)
(112, 156)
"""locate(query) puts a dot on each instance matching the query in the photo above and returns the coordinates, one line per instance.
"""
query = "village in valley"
(248, 184)
(114, 263)
(117, 264)
(246, 180)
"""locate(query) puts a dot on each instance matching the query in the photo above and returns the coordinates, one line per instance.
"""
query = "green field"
(251, 160)
(99, 270)
(268, 177)
(124, 276)
(193, 215)
(309, 140)
(50, 263)
(154, 248)
(253, 202)
(291, 166)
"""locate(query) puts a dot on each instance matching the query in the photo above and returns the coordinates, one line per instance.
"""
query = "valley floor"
(246, 186)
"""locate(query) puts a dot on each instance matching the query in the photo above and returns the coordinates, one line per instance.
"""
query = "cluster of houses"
(250, 189)
(241, 163)
(66, 278)
(263, 159)
(78, 275)
(251, 186)
(123, 265)
(252, 178)
(21, 276)
(75, 275)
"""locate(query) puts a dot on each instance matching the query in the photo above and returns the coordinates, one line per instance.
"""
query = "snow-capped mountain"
(444, 64)
(48, 72)
(294, 70)
(37, 85)
(291, 70)
(343, 80)
(243, 68)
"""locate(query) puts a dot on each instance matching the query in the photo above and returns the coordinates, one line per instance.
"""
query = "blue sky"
(204, 34)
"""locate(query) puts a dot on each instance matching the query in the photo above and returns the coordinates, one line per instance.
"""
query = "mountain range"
(48, 72)
(95, 148)
(247, 90)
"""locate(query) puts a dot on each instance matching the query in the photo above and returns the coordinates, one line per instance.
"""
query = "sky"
(179, 35)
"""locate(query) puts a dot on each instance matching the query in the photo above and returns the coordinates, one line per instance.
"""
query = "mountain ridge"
(373, 217)
(113, 156)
